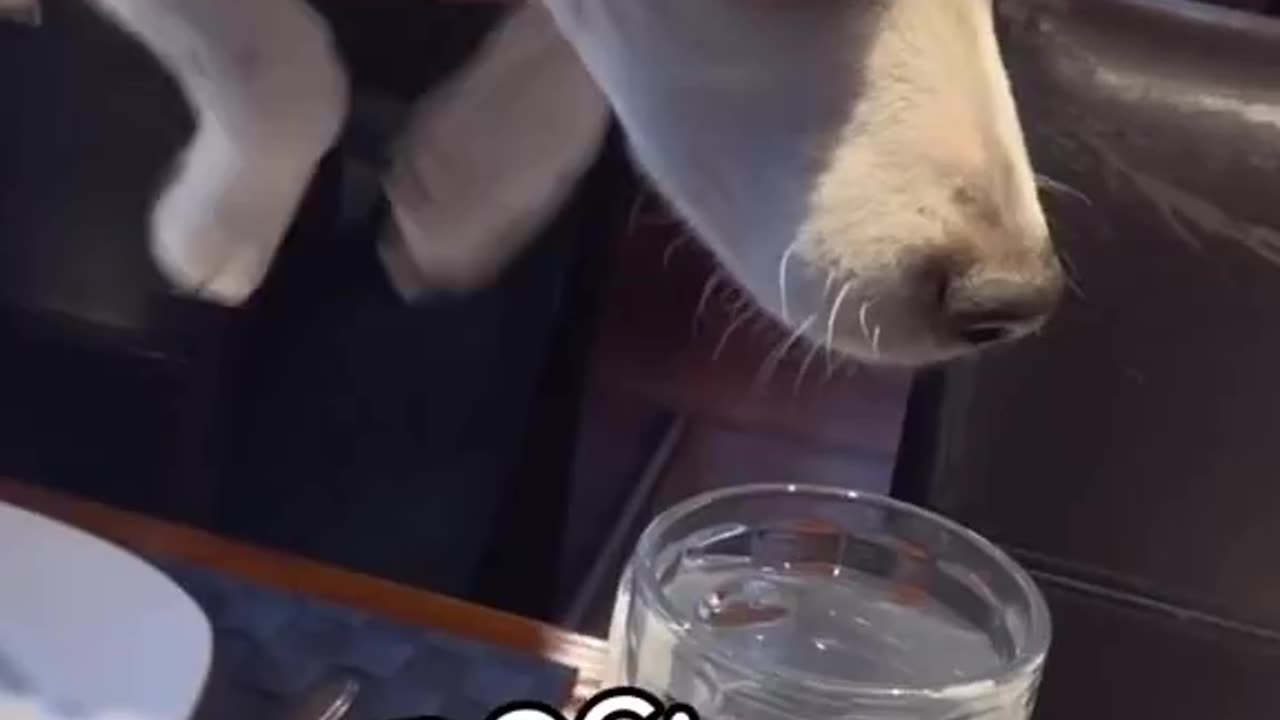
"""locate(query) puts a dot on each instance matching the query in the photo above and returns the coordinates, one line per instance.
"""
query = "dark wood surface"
(711, 457)
(673, 330)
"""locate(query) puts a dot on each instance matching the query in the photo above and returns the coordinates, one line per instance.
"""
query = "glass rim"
(1025, 663)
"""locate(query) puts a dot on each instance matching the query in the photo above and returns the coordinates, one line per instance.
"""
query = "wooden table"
(149, 536)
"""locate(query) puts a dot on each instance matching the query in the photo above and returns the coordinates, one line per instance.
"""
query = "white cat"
(856, 165)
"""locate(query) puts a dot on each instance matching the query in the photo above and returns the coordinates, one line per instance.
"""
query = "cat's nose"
(980, 305)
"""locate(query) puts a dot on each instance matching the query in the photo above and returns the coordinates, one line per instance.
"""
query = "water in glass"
(779, 602)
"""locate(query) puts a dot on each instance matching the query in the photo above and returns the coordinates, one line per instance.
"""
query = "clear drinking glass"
(793, 602)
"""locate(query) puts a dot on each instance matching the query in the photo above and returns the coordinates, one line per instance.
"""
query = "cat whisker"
(771, 362)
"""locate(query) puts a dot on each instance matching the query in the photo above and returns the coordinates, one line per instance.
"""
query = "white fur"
(487, 158)
(270, 95)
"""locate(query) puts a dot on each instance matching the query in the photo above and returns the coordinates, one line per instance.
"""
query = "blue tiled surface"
(271, 648)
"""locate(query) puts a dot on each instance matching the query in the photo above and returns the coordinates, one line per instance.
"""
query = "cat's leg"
(269, 95)
(488, 158)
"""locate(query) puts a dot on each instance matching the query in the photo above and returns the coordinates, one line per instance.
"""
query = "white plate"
(95, 628)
